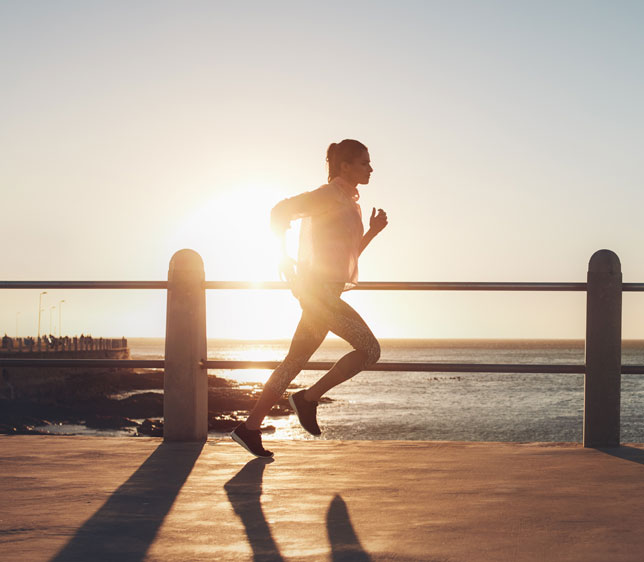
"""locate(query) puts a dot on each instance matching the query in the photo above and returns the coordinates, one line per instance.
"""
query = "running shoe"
(306, 412)
(251, 440)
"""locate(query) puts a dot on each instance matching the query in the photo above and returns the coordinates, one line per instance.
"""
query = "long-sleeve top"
(331, 231)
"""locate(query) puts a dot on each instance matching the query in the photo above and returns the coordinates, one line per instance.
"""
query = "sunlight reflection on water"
(243, 376)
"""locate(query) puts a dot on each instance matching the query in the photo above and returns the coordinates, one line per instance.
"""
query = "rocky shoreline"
(31, 402)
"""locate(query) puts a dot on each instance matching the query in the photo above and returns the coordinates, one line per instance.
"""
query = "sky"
(505, 137)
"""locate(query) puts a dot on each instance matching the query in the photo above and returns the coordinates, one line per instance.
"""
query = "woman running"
(331, 240)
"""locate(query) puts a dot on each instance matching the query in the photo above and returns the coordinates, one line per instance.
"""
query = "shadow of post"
(625, 452)
(125, 526)
(345, 545)
(244, 491)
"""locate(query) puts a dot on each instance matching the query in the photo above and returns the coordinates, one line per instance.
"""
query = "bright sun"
(231, 232)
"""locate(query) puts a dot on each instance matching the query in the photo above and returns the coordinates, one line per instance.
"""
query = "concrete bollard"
(603, 351)
(185, 382)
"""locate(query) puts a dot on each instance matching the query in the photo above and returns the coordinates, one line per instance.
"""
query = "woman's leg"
(309, 335)
(345, 322)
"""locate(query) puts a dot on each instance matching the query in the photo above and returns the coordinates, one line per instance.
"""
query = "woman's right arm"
(303, 205)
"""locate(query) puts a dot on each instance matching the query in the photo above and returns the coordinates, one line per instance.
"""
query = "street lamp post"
(51, 311)
(40, 310)
(60, 318)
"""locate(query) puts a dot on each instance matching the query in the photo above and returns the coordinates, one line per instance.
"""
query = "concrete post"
(185, 382)
(603, 351)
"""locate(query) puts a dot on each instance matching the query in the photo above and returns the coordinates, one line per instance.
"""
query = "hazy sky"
(506, 138)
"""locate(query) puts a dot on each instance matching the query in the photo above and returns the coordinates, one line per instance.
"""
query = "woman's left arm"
(376, 223)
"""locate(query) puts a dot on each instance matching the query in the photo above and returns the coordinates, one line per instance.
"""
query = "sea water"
(441, 406)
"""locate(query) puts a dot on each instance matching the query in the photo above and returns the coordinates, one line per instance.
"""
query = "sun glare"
(232, 234)
(231, 231)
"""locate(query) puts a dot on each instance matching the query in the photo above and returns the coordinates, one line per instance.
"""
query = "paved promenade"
(123, 500)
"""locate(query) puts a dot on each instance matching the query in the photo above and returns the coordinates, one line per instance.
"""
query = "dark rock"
(14, 413)
(144, 405)
(224, 425)
(280, 410)
(152, 428)
(232, 399)
(77, 398)
(218, 382)
(21, 429)
(109, 422)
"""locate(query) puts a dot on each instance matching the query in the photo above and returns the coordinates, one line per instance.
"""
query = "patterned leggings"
(322, 311)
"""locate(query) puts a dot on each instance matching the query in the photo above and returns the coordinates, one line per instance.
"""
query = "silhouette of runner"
(332, 238)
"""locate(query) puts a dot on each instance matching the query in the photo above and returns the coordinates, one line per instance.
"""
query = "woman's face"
(358, 171)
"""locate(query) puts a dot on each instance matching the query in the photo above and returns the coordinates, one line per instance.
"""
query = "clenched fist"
(377, 221)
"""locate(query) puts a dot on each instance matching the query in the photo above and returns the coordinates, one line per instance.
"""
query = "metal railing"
(186, 362)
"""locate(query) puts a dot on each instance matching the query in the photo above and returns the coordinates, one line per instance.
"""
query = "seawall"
(24, 383)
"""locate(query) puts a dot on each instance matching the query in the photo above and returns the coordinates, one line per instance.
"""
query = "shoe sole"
(241, 442)
(292, 403)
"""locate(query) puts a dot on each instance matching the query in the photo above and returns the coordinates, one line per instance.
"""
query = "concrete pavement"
(133, 499)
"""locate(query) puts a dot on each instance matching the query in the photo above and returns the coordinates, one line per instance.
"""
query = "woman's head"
(349, 159)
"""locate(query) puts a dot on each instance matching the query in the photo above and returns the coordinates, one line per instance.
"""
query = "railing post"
(603, 351)
(185, 382)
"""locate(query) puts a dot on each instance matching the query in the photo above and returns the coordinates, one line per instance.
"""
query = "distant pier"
(69, 346)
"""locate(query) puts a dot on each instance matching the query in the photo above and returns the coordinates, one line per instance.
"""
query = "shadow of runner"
(244, 491)
(345, 545)
(125, 526)
(625, 452)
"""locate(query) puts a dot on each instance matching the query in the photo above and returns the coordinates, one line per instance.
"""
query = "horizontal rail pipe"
(412, 367)
(281, 285)
(414, 286)
(83, 284)
(415, 367)
(84, 363)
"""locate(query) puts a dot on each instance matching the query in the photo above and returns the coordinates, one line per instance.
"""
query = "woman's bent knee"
(373, 353)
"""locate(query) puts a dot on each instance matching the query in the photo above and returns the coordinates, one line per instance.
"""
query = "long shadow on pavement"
(345, 545)
(625, 452)
(125, 526)
(244, 491)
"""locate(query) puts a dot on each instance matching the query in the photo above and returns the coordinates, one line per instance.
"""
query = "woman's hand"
(288, 273)
(287, 269)
(377, 221)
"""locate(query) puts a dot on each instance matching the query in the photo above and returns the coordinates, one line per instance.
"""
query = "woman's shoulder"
(326, 194)
(316, 201)
(331, 190)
